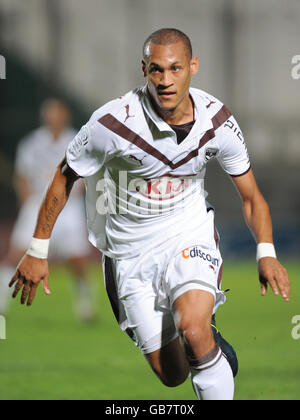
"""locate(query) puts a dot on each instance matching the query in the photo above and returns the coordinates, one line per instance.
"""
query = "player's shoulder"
(120, 108)
(209, 101)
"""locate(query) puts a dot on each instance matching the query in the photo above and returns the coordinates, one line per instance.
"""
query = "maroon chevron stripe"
(114, 125)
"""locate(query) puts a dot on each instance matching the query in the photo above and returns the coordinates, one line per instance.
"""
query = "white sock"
(6, 273)
(213, 380)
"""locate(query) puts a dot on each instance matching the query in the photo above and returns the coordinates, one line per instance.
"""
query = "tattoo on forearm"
(50, 214)
(55, 200)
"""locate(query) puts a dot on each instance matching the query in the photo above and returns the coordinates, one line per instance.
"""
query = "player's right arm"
(32, 270)
(87, 153)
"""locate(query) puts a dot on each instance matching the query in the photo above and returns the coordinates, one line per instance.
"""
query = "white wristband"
(265, 249)
(39, 248)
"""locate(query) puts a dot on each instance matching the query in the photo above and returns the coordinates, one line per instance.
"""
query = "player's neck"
(182, 114)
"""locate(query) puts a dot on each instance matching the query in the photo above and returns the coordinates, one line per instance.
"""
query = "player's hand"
(273, 273)
(30, 272)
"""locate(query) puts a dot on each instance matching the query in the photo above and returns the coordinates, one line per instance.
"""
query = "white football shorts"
(69, 238)
(142, 290)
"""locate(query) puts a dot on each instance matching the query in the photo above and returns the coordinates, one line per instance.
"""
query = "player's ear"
(144, 68)
(194, 64)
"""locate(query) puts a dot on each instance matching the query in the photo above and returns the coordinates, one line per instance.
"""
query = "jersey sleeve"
(90, 149)
(233, 154)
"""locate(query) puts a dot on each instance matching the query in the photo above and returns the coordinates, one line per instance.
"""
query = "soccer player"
(143, 157)
(37, 156)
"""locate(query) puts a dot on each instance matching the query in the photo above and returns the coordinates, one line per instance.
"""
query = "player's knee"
(195, 336)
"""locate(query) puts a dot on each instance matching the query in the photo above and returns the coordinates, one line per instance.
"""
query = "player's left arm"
(258, 218)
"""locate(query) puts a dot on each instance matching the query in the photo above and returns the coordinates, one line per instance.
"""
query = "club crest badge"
(210, 153)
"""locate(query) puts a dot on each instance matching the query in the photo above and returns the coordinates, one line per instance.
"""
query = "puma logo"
(138, 160)
(211, 102)
(127, 114)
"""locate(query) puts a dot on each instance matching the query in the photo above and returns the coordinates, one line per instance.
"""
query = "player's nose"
(165, 80)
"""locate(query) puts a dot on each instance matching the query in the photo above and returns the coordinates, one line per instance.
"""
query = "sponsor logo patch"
(164, 188)
(196, 252)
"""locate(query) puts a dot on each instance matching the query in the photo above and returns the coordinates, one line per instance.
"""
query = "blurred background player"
(37, 155)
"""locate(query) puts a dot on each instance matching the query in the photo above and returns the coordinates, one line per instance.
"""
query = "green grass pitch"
(49, 355)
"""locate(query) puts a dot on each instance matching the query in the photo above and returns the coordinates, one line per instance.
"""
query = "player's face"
(169, 70)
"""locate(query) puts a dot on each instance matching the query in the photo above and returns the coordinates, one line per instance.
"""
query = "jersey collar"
(202, 118)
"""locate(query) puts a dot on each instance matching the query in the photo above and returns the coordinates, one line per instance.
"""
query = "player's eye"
(154, 69)
(176, 69)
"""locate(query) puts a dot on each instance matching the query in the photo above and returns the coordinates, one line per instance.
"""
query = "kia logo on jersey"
(164, 188)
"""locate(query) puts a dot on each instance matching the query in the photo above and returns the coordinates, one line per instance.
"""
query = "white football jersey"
(38, 155)
(143, 189)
